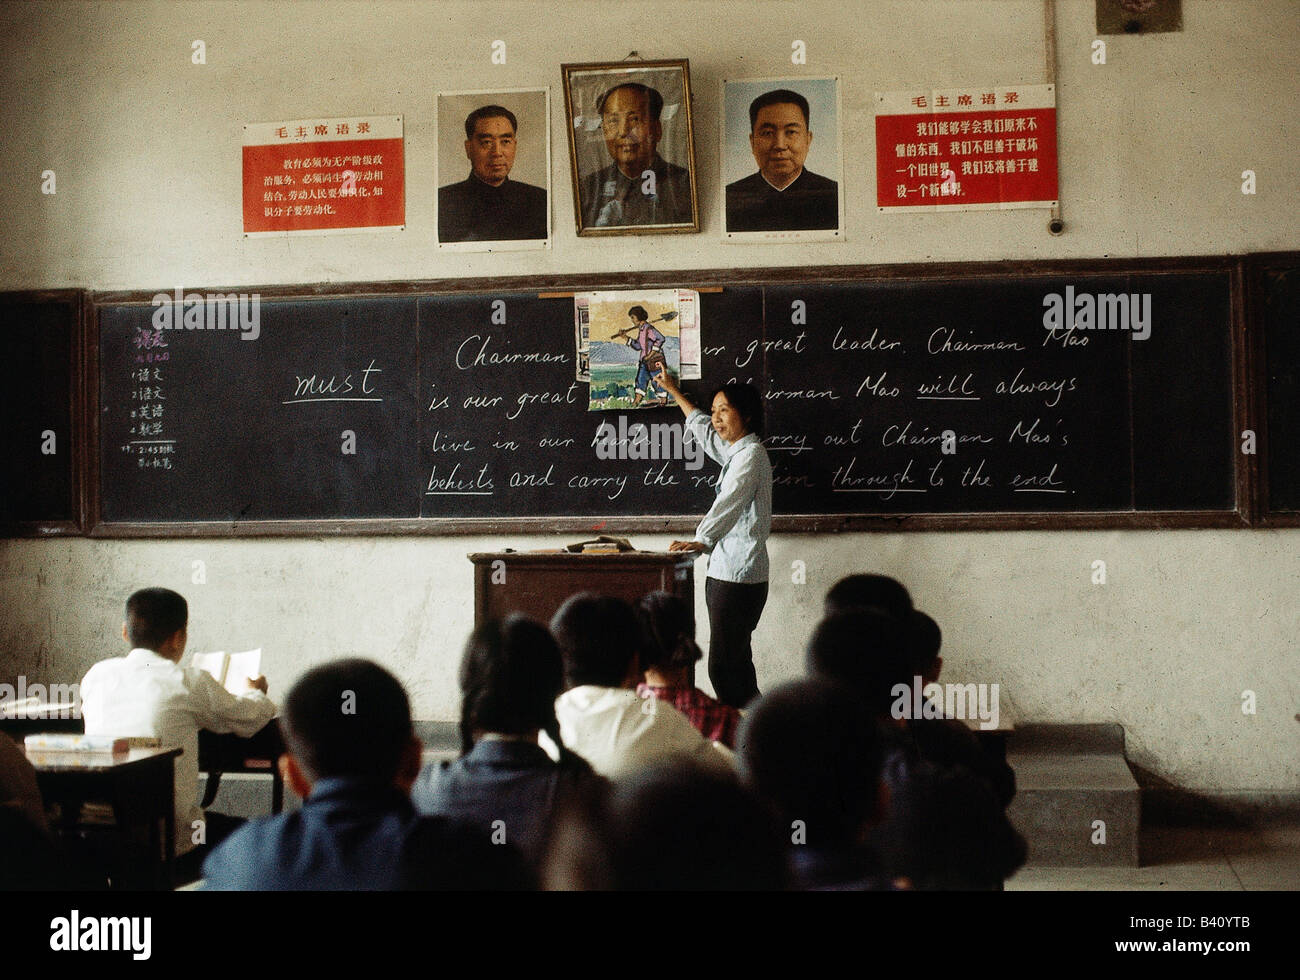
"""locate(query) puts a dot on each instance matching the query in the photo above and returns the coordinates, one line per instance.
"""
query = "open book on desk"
(604, 545)
(231, 670)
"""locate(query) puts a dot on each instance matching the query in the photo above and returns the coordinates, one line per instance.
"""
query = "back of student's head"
(810, 750)
(868, 591)
(667, 632)
(510, 677)
(348, 718)
(867, 651)
(924, 640)
(153, 616)
(598, 638)
(673, 825)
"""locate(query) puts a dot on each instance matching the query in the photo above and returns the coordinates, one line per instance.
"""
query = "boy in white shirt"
(148, 693)
(601, 716)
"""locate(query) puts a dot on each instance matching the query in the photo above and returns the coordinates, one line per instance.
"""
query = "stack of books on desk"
(69, 742)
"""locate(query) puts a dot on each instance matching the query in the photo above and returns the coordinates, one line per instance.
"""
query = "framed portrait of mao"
(632, 147)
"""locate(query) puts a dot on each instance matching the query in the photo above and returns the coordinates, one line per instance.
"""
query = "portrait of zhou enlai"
(774, 128)
(505, 134)
(631, 145)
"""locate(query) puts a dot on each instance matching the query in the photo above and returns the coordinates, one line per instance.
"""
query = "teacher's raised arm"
(734, 531)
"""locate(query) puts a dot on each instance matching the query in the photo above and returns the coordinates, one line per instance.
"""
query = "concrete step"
(1077, 803)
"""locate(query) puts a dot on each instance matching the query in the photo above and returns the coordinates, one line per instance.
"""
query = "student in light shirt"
(601, 716)
(148, 693)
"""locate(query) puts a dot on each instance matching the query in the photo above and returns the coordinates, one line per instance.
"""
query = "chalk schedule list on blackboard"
(935, 396)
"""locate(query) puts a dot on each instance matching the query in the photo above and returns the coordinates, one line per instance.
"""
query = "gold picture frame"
(631, 147)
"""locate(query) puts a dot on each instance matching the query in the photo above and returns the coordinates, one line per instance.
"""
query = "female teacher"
(734, 531)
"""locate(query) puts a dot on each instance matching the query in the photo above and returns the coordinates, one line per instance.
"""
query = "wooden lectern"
(537, 583)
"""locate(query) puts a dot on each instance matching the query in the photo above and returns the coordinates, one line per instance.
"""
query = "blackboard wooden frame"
(78, 490)
(1245, 371)
(1255, 410)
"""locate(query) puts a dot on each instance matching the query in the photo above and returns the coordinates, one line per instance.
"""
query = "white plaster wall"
(145, 145)
(146, 150)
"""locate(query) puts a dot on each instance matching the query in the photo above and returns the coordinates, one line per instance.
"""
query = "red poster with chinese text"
(966, 149)
(321, 175)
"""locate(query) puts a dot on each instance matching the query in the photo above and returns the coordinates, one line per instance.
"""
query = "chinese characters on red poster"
(321, 175)
(966, 149)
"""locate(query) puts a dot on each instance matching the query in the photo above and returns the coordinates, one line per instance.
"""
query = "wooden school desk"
(257, 754)
(537, 583)
(218, 754)
(139, 785)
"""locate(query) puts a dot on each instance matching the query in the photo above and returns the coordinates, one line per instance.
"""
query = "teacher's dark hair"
(746, 400)
(510, 677)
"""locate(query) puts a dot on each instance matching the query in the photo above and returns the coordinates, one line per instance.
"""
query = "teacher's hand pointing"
(669, 384)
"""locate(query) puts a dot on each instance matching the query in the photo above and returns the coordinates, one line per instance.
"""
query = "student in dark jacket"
(810, 750)
(504, 783)
(351, 755)
(870, 652)
(674, 824)
(948, 741)
(944, 741)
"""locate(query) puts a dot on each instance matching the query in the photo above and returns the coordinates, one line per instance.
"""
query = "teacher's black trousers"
(734, 610)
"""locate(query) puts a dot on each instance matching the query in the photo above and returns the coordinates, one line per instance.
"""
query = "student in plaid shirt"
(669, 651)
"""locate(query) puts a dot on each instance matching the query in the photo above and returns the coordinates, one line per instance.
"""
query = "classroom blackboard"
(374, 407)
(867, 382)
(39, 463)
(221, 425)
(886, 395)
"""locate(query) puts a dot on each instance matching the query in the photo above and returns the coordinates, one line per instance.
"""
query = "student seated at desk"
(668, 653)
(352, 756)
(510, 677)
(815, 755)
(943, 740)
(948, 741)
(601, 716)
(868, 651)
(947, 832)
(148, 693)
(675, 825)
